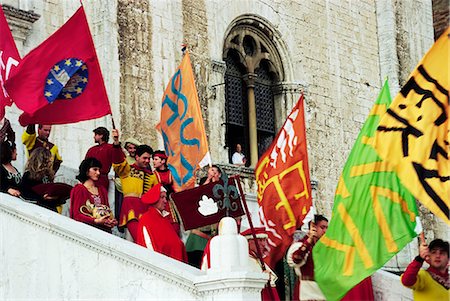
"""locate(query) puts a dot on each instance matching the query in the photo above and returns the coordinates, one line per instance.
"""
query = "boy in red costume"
(164, 176)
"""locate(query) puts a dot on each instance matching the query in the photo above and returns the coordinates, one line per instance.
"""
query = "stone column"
(286, 96)
(253, 133)
(137, 108)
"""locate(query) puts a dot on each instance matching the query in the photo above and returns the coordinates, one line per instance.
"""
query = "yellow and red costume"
(135, 182)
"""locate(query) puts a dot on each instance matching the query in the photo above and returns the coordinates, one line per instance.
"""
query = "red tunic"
(362, 291)
(163, 237)
(103, 153)
(79, 196)
(166, 179)
(132, 209)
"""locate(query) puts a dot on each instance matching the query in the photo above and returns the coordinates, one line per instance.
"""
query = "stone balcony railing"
(48, 256)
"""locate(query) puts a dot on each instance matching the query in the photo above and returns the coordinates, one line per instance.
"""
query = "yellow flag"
(414, 134)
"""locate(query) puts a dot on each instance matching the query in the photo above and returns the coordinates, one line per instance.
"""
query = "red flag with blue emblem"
(9, 58)
(60, 81)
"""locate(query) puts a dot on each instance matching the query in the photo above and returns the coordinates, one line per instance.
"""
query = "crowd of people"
(148, 218)
(139, 171)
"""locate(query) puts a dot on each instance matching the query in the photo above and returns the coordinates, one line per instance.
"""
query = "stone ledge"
(27, 16)
(89, 237)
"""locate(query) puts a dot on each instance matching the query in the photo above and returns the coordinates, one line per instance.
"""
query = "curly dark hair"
(85, 165)
(6, 151)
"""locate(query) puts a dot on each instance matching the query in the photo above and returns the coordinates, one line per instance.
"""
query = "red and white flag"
(9, 59)
(284, 188)
(60, 81)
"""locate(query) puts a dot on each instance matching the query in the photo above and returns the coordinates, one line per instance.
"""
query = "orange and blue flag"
(182, 127)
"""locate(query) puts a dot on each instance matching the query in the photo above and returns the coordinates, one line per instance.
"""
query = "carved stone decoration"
(20, 22)
(252, 38)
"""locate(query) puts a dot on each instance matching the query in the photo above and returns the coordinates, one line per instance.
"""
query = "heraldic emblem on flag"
(66, 80)
(414, 134)
(60, 81)
(284, 188)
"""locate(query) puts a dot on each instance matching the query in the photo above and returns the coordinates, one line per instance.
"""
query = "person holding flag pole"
(433, 283)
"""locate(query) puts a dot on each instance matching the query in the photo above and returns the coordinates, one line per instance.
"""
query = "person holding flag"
(33, 142)
(433, 283)
(136, 180)
(299, 256)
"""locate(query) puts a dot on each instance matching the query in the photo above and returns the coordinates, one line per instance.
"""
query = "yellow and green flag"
(373, 217)
(414, 135)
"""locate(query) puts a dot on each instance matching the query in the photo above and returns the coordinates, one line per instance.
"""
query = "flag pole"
(237, 181)
(113, 123)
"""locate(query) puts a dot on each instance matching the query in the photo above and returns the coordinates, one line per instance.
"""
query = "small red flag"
(284, 188)
(9, 58)
(60, 81)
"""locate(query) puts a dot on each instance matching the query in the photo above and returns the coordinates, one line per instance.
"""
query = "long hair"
(6, 151)
(85, 165)
(40, 165)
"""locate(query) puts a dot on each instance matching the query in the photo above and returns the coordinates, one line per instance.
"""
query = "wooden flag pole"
(237, 181)
(113, 123)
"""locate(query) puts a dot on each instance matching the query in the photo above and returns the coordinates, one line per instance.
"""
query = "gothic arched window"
(253, 68)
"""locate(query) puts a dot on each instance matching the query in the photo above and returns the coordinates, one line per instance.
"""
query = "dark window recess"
(265, 111)
(237, 129)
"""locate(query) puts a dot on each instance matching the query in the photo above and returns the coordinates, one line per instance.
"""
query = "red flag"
(9, 58)
(60, 81)
(284, 188)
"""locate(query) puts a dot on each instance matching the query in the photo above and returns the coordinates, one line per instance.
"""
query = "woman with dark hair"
(89, 202)
(10, 177)
(39, 170)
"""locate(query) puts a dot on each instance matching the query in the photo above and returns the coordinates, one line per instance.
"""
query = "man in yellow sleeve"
(136, 180)
(33, 141)
(432, 283)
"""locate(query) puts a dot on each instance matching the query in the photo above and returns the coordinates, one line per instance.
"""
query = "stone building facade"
(336, 52)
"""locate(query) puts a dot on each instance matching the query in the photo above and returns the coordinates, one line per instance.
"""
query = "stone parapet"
(66, 259)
